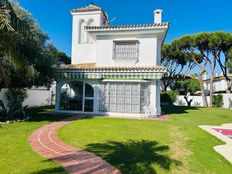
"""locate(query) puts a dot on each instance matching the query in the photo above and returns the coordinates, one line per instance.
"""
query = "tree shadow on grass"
(57, 170)
(177, 109)
(133, 157)
(46, 113)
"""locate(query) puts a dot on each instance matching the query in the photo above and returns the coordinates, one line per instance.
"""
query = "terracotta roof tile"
(90, 7)
(136, 26)
(92, 66)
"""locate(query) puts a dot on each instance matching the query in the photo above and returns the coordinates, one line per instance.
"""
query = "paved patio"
(223, 133)
(76, 161)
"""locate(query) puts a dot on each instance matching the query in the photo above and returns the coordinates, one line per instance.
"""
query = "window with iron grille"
(124, 97)
(126, 49)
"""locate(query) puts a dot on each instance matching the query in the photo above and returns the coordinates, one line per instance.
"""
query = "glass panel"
(88, 105)
(124, 97)
(88, 90)
(71, 96)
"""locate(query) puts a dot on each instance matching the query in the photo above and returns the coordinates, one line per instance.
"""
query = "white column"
(155, 97)
(96, 98)
(58, 94)
(158, 45)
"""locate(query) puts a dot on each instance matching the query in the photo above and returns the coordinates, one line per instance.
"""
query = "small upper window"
(89, 23)
(126, 49)
(82, 32)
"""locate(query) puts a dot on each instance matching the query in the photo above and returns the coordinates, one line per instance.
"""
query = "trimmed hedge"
(168, 97)
(218, 101)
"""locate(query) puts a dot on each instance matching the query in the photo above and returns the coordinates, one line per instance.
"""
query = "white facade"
(118, 62)
(220, 84)
(98, 45)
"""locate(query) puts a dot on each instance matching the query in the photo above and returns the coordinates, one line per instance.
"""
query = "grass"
(133, 146)
(145, 146)
(16, 153)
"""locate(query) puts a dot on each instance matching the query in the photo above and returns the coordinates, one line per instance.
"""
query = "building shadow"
(134, 157)
(46, 113)
(177, 109)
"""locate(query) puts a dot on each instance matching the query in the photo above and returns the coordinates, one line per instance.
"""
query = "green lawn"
(133, 146)
(145, 146)
(16, 154)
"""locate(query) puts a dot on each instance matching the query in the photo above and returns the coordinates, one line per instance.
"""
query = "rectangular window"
(126, 49)
(124, 97)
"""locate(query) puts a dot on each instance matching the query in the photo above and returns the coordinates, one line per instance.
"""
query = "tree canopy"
(27, 57)
(207, 51)
(178, 63)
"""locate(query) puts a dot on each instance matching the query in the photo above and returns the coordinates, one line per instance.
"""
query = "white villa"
(220, 83)
(115, 70)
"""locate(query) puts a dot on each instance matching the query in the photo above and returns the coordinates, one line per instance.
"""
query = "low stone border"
(226, 149)
(76, 161)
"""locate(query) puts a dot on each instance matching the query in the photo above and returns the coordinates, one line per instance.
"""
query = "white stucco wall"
(155, 97)
(84, 52)
(36, 97)
(197, 100)
(149, 50)
(99, 49)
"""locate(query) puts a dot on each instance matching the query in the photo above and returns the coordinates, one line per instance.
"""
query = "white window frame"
(127, 53)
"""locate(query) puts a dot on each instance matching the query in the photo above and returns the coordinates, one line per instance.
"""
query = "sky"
(184, 16)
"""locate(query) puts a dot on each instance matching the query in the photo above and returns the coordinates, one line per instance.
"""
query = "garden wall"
(197, 100)
(36, 97)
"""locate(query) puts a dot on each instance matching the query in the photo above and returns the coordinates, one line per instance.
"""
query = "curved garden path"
(76, 161)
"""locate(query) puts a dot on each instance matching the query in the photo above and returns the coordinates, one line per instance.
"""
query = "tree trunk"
(229, 86)
(188, 102)
(204, 99)
(211, 89)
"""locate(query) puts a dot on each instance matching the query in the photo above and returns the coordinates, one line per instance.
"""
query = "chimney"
(158, 16)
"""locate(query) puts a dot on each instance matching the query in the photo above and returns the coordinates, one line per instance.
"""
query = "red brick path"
(76, 161)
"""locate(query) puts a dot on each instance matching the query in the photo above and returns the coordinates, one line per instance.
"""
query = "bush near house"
(218, 100)
(14, 109)
(168, 97)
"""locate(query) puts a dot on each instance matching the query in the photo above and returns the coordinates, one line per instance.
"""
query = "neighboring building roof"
(119, 27)
(92, 66)
(220, 77)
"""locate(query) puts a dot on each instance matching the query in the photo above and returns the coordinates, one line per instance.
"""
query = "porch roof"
(127, 27)
(93, 67)
(90, 71)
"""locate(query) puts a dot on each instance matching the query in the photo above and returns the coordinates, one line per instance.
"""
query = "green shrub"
(169, 97)
(218, 100)
(17, 95)
(14, 108)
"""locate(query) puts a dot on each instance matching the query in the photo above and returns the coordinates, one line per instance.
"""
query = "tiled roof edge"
(105, 27)
(116, 68)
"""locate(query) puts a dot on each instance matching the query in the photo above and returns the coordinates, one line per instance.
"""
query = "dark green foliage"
(218, 100)
(177, 62)
(14, 109)
(26, 58)
(187, 87)
(17, 95)
(168, 97)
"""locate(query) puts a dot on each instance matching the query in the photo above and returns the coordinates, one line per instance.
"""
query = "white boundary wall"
(197, 100)
(36, 97)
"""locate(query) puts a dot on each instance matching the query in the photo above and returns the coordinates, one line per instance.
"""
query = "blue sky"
(184, 16)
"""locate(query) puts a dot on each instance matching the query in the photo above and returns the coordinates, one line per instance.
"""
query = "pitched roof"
(220, 77)
(90, 8)
(92, 66)
(137, 26)
(87, 8)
